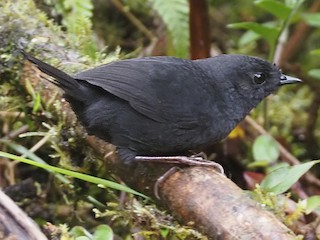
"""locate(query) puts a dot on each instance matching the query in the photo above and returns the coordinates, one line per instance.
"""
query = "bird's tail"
(58, 77)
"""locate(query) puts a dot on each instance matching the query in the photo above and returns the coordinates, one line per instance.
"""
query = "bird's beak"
(284, 79)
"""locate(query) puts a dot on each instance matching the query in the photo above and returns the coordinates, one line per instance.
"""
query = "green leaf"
(269, 33)
(315, 73)
(313, 203)
(313, 19)
(258, 164)
(281, 179)
(74, 174)
(265, 148)
(79, 231)
(248, 37)
(315, 52)
(36, 102)
(77, 16)
(103, 232)
(26, 153)
(293, 3)
(175, 15)
(276, 8)
(164, 232)
(83, 238)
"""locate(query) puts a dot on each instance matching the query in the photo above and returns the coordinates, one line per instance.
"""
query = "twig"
(297, 39)
(288, 157)
(283, 33)
(38, 145)
(135, 21)
(17, 132)
(15, 224)
(12, 114)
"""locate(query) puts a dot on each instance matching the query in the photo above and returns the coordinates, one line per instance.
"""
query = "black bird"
(165, 106)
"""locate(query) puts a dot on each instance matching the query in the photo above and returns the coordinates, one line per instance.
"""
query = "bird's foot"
(189, 161)
(194, 160)
(161, 179)
(201, 155)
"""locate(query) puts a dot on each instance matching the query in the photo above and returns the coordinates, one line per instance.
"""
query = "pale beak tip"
(285, 79)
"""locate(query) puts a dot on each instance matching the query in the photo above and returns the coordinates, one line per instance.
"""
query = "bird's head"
(254, 78)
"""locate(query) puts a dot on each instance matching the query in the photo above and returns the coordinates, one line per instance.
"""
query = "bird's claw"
(189, 161)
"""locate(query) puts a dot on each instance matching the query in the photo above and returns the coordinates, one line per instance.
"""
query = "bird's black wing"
(161, 88)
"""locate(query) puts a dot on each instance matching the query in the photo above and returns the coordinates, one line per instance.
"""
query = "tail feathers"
(61, 79)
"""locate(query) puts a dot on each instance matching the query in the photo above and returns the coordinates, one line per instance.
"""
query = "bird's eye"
(259, 78)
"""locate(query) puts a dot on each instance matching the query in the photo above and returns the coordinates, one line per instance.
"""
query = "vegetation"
(89, 33)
